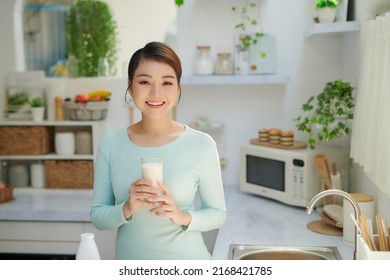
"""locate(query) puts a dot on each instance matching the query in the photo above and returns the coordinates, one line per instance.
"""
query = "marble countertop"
(254, 220)
(49, 205)
(251, 220)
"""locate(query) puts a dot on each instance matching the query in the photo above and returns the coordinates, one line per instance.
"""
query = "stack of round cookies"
(263, 135)
(274, 135)
(287, 138)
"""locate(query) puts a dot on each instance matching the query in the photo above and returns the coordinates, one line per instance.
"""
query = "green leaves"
(247, 20)
(179, 3)
(37, 102)
(326, 3)
(91, 34)
(19, 98)
(327, 114)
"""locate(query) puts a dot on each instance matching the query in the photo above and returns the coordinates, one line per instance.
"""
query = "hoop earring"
(178, 99)
(128, 100)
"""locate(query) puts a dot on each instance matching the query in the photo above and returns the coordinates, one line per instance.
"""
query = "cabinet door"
(40, 237)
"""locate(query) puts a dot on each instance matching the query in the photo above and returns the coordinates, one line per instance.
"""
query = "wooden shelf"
(332, 28)
(234, 79)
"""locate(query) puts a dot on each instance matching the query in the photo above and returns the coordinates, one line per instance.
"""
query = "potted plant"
(326, 10)
(91, 35)
(179, 3)
(326, 115)
(37, 109)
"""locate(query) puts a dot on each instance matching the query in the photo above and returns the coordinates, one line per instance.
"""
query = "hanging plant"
(245, 21)
(91, 34)
(326, 115)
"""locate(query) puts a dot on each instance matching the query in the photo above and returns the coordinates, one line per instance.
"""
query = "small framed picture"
(22, 87)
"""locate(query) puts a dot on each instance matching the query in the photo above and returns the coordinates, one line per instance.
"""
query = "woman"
(152, 225)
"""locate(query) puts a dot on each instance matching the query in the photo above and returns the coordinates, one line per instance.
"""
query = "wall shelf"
(96, 128)
(332, 28)
(235, 79)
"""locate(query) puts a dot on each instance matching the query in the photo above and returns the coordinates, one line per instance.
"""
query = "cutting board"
(295, 146)
(324, 228)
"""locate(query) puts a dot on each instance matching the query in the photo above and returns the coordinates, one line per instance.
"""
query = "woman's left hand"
(169, 209)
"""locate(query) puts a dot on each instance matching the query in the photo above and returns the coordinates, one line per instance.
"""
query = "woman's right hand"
(139, 192)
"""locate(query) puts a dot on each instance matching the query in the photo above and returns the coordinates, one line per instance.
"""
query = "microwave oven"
(287, 175)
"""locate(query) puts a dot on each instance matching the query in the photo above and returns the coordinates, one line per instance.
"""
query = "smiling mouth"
(155, 104)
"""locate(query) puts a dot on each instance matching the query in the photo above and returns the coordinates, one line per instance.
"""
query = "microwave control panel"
(298, 178)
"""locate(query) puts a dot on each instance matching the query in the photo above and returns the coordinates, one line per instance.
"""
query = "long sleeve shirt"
(191, 170)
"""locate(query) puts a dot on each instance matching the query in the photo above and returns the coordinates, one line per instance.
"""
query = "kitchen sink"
(258, 252)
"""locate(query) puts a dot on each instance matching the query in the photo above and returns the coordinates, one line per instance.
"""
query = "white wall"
(309, 63)
(12, 55)
(139, 22)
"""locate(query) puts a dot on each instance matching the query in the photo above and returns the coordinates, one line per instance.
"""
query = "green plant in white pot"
(326, 10)
(326, 115)
(37, 109)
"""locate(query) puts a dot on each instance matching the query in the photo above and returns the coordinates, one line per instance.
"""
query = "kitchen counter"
(254, 220)
(251, 220)
(48, 205)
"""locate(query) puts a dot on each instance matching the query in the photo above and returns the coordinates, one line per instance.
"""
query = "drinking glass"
(152, 169)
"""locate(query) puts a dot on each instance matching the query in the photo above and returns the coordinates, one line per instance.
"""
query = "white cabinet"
(96, 128)
(57, 238)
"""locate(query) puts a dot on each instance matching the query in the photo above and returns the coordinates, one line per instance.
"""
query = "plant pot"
(326, 15)
(38, 113)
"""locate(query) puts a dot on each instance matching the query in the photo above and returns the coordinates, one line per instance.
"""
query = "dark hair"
(156, 51)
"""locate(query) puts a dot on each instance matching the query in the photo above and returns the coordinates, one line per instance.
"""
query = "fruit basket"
(89, 111)
(88, 107)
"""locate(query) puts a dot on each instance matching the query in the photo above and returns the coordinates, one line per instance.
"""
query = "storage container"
(203, 63)
(365, 253)
(26, 140)
(69, 174)
(65, 143)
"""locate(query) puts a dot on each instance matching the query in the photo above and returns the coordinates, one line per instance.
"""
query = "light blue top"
(191, 166)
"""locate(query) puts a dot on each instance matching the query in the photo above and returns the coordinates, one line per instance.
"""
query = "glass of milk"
(152, 169)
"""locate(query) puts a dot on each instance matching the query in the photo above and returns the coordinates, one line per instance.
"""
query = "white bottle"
(87, 249)
(37, 174)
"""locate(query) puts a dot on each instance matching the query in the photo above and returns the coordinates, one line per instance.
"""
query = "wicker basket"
(90, 111)
(6, 194)
(26, 140)
(69, 174)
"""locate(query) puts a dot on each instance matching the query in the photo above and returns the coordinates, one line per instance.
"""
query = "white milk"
(152, 171)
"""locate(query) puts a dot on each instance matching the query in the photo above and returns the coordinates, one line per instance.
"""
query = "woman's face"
(154, 89)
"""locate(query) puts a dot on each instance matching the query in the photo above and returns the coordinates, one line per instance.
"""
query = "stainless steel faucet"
(347, 196)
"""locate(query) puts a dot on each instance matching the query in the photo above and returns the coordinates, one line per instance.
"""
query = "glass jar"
(18, 175)
(203, 62)
(223, 65)
(241, 61)
(103, 67)
(83, 143)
